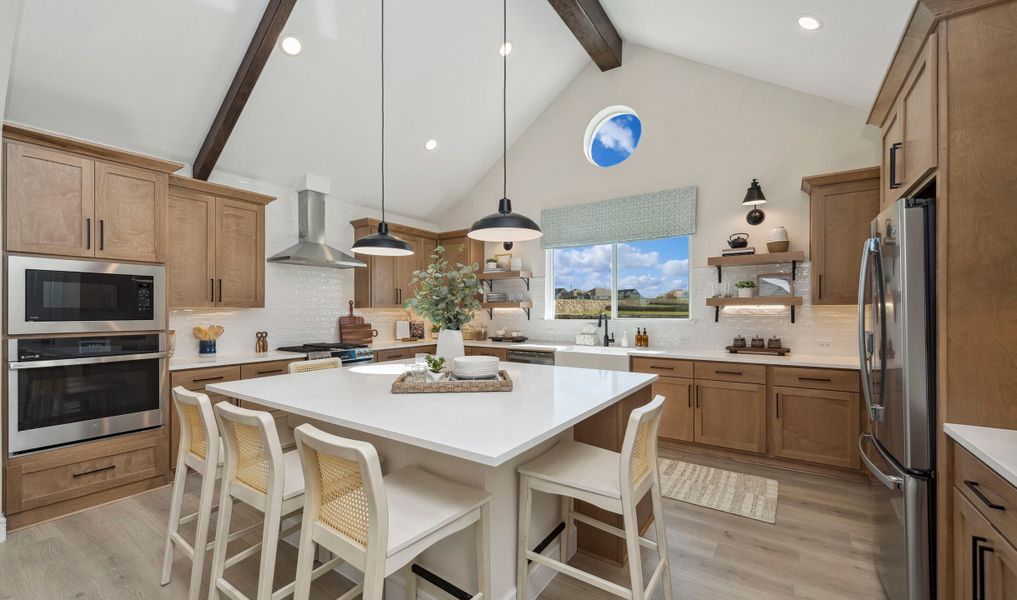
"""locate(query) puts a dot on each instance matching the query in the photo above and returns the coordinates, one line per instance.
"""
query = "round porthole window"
(612, 136)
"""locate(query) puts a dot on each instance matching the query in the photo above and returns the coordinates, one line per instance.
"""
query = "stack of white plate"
(475, 367)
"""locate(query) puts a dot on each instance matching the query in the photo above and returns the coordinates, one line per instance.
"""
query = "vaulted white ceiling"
(844, 60)
(149, 75)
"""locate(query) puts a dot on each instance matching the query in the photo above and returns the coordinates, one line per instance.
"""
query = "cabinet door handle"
(211, 290)
(88, 233)
(697, 396)
(820, 286)
(894, 148)
(220, 290)
(978, 550)
(102, 234)
(91, 471)
(216, 378)
(973, 486)
(690, 396)
(778, 406)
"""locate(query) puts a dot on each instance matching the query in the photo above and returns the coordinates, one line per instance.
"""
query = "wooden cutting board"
(350, 319)
(361, 333)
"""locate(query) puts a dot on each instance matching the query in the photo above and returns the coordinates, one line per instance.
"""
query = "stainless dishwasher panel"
(535, 357)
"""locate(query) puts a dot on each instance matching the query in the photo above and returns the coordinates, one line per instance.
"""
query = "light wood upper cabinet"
(404, 268)
(677, 421)
(918, 108)
(190, 263)
(217, 255)
(818, 426)
(240, 254)
(50, 201)
(892, 186)
(842, 207)
(130, 211)
(67, 197)
(731, 415)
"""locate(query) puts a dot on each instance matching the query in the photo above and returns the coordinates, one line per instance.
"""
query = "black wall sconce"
(754, 197)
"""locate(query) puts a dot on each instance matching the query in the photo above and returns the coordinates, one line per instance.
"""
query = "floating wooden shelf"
(747, 260)
(790, 301)
(490, 277)
(524, 305)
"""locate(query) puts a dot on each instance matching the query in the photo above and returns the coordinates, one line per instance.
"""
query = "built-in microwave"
(55, 295)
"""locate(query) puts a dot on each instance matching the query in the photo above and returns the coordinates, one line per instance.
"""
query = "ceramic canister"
(777, 240)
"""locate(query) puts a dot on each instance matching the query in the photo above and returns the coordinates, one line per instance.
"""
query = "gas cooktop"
(347, 353)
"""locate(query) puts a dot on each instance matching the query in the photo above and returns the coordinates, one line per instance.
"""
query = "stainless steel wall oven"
(70, 389)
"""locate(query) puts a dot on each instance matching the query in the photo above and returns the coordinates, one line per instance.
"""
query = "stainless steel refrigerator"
(896, 331)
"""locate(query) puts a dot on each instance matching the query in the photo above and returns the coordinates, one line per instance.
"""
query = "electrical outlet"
(684, 339)
(824, 344)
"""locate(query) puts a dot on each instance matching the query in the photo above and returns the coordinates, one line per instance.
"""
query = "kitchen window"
(639, 279)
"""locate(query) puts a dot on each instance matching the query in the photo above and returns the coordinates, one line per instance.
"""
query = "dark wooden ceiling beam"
(594, 30)
(265, 37)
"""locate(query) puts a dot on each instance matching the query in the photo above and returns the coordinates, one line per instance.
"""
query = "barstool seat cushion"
(578, 465)
(293, 484)
(420, 504)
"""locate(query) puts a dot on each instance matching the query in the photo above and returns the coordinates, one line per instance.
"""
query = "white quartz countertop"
(180, 363)
(488, 428)
(790, 360)
(997, 448)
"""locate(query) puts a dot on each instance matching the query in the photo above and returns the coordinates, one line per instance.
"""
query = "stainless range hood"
(311, 250)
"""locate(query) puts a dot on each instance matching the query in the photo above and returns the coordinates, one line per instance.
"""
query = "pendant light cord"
(504, 99)
(382, 111)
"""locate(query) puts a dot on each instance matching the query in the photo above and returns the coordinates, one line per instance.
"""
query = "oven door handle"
(89, 360)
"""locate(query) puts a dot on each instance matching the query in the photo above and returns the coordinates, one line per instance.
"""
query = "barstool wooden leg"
(661, 530)
(410, 580)
(523, 536)
(566, 517)
(269, 546)
(222, 535)
(305, 561)
(631, 525)
(201, 533)
(374, 583)
(176, 501)
(482, 535)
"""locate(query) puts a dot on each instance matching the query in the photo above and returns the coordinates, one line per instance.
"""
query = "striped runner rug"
(727, 491)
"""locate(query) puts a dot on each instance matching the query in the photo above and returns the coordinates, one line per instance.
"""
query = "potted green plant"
(491, 264)
(447, 296)
(746, 288)
(435, 367)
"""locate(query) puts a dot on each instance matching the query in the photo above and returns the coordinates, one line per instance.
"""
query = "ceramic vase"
(777, 240)
(450, 344)
(746, 292)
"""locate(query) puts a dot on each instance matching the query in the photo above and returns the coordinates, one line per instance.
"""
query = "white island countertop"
(487, 428)
(821, 361)
(997, 448)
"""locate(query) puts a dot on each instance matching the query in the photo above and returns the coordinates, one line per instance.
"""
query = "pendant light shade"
(382, 243)
(505, 225)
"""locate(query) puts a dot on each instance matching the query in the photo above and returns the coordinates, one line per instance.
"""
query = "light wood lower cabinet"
(403, 353)
(817, 426)
(677, 421)
(499, 353)
(731, 415)
(985, 562)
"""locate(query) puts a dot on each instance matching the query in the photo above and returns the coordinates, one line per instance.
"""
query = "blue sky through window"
(615, 139)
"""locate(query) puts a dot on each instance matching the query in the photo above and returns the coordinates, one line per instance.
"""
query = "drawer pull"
(973, 486)
(203, 379)
(729, 372)
(269, 372)
(99, 470)
(659, 368)
(826, 379)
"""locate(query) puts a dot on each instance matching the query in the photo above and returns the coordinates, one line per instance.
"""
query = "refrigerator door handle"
(871, 254)
(891, 481)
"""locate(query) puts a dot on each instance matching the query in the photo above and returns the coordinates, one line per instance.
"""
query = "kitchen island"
(476, 439)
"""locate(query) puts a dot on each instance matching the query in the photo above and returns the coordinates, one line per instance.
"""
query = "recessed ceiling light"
(809, 22)
(430, 144)
(291, 45)
(505, 49)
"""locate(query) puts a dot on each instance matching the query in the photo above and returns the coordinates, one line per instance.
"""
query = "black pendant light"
(382, 243)
(505, 225)
(753, 197)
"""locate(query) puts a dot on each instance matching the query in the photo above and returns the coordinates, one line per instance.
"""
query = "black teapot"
(738, 240)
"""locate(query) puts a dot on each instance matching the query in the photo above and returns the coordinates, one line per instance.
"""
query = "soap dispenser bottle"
(625, 339)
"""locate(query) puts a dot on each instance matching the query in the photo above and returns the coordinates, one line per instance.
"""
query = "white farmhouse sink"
(593, 357)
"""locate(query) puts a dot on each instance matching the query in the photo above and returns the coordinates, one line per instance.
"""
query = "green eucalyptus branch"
(446, 295)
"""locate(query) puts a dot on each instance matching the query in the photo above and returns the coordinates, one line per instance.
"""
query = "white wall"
(302, 304)
(702, 126)
(10, 17)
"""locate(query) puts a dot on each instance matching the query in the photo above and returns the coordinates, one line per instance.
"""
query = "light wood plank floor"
(819, 549)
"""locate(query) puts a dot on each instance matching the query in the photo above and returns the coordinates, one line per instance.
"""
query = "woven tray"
(403, 385)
